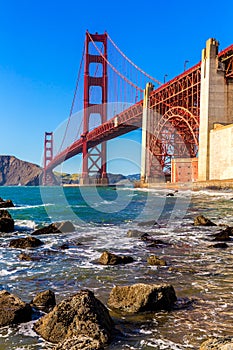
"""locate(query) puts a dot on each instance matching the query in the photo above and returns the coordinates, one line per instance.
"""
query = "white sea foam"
(164, 344)
(23, 207)
(5, 273)
(24, 225)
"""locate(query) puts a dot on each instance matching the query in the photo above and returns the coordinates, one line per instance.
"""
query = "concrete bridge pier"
(216, 105)
(146, 122)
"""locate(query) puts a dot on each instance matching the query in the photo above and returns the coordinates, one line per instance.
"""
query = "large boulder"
(27, 242)
(13, 309)
(6, 222)
(142, 297)
(81, 342)
(108, 258)
(44, 301)
(225, 343)
(201, 220)
(6, 203)
(56, 227)
(81, 314)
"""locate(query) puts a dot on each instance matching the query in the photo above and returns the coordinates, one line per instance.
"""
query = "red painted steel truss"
(175, 125)
(226, 58)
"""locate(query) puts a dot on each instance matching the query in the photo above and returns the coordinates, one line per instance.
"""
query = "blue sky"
(41, 44)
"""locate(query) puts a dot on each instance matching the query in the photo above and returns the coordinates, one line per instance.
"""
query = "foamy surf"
(24, 225)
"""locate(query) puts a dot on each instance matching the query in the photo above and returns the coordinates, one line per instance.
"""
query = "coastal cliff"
(14, 171)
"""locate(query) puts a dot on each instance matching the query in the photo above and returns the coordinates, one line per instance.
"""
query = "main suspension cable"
(132, 63)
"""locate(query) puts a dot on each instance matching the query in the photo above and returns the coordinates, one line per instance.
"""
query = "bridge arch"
(175, 135)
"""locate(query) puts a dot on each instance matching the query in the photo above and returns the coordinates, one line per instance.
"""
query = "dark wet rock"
(70, 244)
(153, 241)
(44, 301)
(156, 261)
(142, 297)
(224, 235)
(13, 309)
(229, 229)
(64, 246)
(108, 258)
(27, 242)
(225, 343)
(134, 233)
(201, 220)
(6, 222)
(171, 194)
(219, 245)
(26, 257)
(147, 223)
(56, 227)
(81, 314)
(6, 203)
(183, 303)
(81, 342)
(188, 270)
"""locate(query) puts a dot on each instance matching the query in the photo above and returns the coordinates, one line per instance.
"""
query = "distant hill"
(66, 178)
(14, 172)
(133, 177)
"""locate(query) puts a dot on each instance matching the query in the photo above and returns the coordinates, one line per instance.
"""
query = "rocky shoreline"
(82, 321)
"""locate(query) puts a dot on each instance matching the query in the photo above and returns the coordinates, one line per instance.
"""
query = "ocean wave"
(227, 194)
(23, 207)
(22, 225)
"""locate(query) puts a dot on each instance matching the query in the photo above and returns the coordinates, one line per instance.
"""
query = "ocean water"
(102, 216)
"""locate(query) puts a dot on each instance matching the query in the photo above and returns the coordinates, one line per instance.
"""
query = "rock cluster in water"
(82, 321)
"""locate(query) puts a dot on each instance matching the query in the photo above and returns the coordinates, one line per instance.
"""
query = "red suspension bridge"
(110, 101)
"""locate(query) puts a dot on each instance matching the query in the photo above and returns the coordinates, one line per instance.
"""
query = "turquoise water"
(102, 218)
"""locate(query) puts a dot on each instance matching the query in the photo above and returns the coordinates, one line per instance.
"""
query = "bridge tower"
(48, 156)
(94, 158)
(216, 105)
(146, 125)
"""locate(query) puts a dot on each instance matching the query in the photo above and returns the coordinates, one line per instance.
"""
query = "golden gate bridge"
(110, 100)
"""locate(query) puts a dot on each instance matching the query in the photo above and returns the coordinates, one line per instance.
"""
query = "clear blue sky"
(41, 44)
